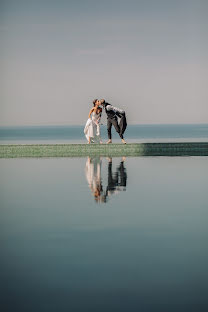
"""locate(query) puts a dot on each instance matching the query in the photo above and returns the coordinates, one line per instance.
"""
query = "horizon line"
(81, 125)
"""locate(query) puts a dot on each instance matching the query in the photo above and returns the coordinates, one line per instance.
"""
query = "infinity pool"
(104, 234)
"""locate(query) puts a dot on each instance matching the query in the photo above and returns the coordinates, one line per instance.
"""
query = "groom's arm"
(115, 109)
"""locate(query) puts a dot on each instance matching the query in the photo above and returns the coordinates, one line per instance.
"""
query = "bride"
(92, 127)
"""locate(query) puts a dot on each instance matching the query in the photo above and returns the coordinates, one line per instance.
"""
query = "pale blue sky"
(148, 57)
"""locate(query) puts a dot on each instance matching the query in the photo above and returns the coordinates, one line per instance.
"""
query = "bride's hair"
(94, 102)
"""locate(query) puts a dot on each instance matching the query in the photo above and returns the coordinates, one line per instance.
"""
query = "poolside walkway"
(83, 150)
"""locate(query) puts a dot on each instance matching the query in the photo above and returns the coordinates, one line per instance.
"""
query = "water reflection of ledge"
(102, 188)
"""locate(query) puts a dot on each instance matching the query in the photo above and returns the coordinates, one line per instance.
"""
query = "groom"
(112, 119)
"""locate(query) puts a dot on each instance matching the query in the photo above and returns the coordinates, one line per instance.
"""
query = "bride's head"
(96, 102)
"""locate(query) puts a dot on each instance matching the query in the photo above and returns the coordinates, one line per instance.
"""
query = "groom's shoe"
(123, 141)
(109, 141)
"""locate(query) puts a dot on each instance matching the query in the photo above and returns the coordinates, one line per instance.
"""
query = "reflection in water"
(103, 188)
(93, 175)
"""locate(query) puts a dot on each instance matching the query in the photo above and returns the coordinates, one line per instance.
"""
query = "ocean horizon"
(75, 134)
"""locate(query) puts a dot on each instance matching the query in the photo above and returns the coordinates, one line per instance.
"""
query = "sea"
(100, 233)
(75, 134)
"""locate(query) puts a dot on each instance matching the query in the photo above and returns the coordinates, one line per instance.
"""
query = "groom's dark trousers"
(113, 121)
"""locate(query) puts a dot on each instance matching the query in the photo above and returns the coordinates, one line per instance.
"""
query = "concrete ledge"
(83, 150)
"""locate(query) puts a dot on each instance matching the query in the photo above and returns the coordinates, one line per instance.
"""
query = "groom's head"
(102, 102)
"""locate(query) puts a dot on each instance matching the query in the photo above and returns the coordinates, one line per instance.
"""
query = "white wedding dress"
(92, 128)
(93, 173)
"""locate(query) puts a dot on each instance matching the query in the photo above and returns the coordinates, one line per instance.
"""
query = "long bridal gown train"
(92, 128)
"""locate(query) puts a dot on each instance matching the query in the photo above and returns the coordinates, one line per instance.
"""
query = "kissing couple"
(92, 127)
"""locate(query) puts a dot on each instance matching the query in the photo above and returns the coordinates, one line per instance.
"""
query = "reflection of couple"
(92, 127)
(116, 180)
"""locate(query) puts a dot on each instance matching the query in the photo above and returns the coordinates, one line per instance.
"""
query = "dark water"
(74, 134)
(102, 234)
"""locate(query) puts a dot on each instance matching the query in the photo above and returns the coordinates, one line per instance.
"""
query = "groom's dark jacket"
(112, 112)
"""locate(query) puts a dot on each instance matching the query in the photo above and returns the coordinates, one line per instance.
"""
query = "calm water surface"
(103, 234)
(74, 134)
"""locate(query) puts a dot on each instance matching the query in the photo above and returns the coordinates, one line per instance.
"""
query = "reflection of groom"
(112, 119)
(116, 180)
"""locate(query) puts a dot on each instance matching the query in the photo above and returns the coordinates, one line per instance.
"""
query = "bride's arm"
(98, 120)
(100, 115)
(89, 116)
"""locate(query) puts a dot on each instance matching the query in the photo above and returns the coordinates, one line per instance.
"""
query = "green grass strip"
(83, 150)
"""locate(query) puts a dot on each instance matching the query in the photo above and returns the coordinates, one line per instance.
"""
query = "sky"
(148, 57)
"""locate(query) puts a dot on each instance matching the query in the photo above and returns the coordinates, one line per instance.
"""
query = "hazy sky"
(146, 56)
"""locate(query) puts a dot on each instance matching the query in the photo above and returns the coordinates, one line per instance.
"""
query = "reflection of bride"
(115, 183)
(93, 175)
